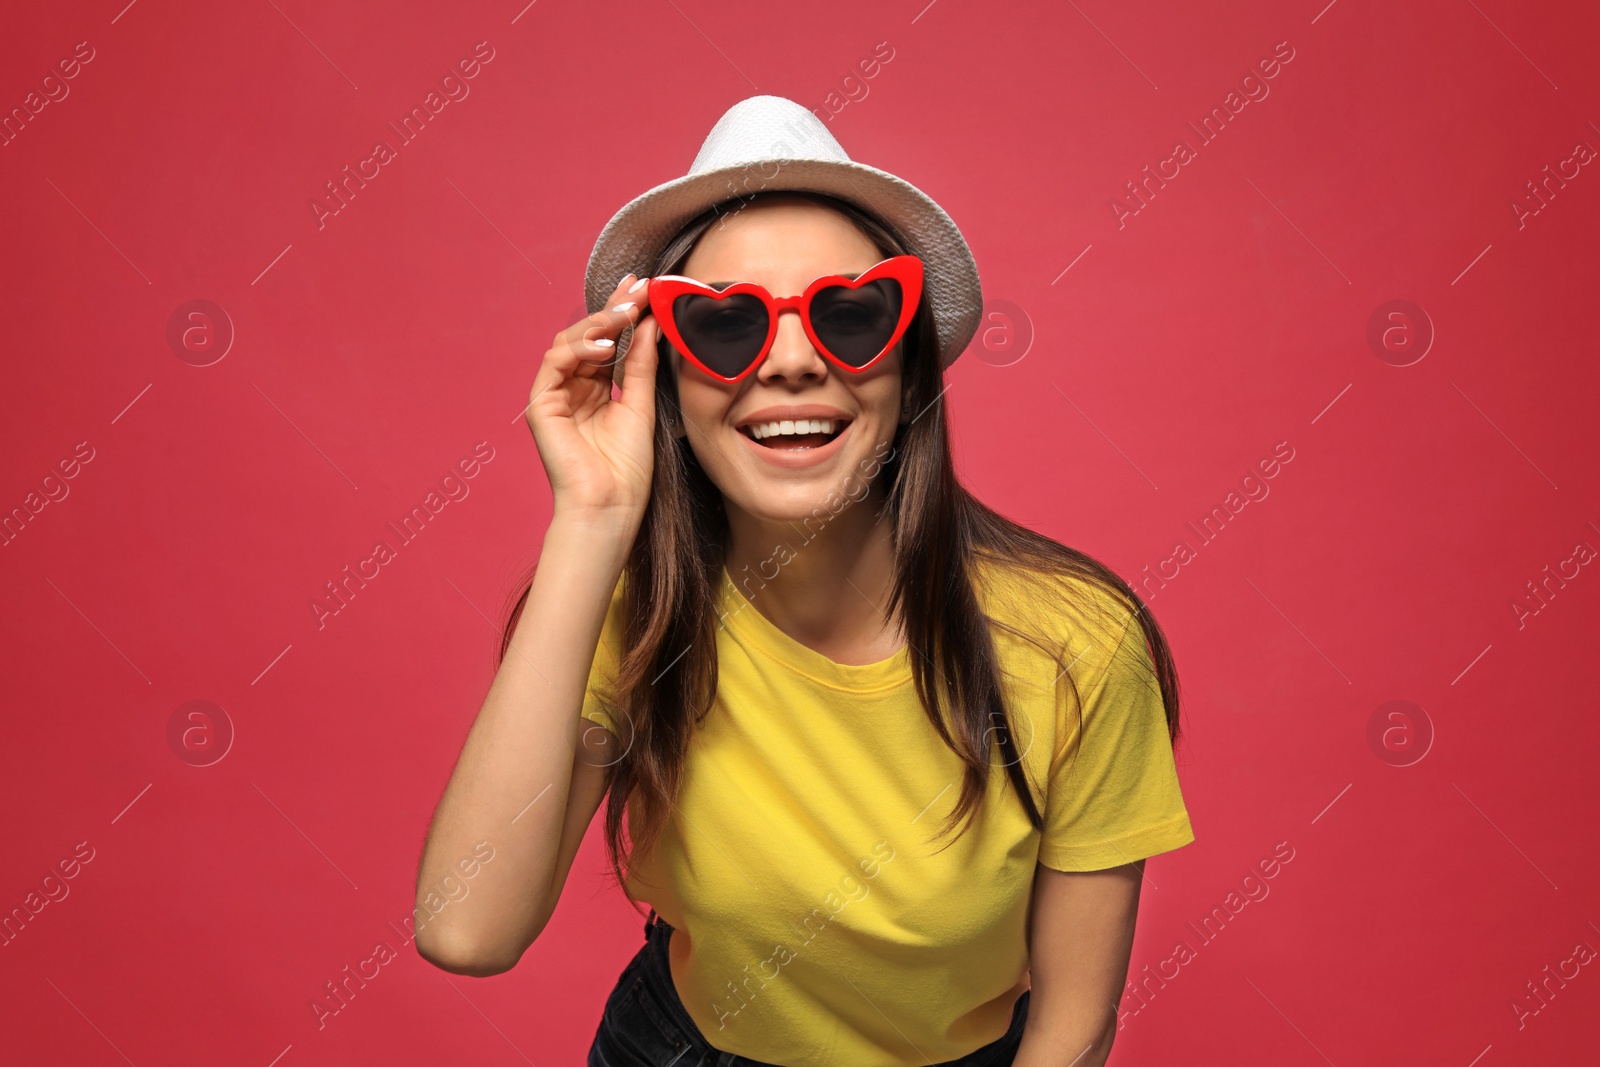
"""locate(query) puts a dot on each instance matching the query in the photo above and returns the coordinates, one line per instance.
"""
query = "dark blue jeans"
(646, 1025)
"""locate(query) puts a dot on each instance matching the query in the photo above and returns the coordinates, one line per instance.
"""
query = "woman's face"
(784, 246)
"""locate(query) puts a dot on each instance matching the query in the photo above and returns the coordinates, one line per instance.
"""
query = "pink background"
(1129, 377)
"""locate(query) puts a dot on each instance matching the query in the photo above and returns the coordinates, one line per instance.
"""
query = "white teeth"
(763, 430)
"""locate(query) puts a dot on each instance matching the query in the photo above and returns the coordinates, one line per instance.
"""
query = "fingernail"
(636, 286)
(603, 342)
(623, 307)
(624, 280)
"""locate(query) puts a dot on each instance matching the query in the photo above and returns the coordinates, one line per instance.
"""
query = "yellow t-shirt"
(817, 923)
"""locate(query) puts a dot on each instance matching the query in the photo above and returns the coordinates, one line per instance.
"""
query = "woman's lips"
(797, 457)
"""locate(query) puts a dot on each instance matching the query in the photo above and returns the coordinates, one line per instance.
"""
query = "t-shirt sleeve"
(1113, 793)
(603, 670)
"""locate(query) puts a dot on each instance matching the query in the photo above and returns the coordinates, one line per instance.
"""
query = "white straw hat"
(771, 143)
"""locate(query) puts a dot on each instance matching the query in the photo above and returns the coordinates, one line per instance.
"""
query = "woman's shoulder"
(1070, 613)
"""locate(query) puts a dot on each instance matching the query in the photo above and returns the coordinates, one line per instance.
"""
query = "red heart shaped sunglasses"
(727, 332)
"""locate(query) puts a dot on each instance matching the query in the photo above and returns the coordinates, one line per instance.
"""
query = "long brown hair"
(667, 677)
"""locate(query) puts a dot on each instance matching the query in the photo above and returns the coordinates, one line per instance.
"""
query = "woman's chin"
(799, 487)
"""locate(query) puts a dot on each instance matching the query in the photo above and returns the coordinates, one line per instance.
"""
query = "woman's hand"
(599, 453)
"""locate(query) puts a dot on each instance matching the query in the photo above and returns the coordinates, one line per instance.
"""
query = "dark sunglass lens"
(856, 324)
(725, 334)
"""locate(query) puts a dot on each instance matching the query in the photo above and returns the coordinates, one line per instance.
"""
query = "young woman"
(885, 764)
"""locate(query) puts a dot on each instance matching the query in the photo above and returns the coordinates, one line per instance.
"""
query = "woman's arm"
(521, 783)
(1079, 939)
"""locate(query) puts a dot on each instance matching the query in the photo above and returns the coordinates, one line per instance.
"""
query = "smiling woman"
(992, 708)
(757, 392)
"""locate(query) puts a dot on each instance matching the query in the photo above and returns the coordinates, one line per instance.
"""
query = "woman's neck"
(825, 581)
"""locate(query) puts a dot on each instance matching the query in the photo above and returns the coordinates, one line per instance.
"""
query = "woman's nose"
(793, 356)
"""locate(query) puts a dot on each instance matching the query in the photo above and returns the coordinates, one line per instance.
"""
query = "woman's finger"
(622, 310)
(575, 357)
(591, 341)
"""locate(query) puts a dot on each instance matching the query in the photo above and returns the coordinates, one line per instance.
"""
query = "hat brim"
(637, 233)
